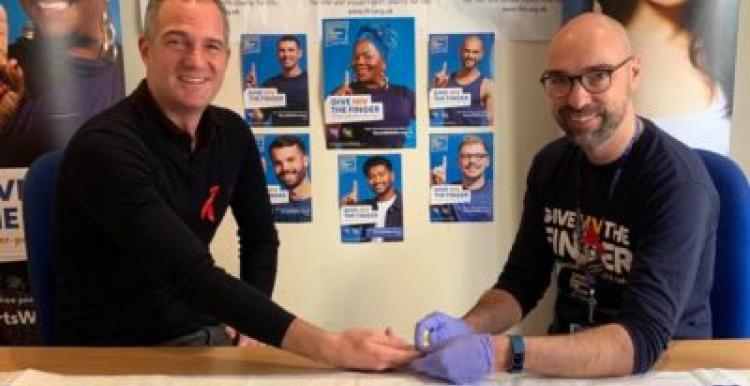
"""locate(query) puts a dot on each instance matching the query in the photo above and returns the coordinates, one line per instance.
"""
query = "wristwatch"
(518, 352)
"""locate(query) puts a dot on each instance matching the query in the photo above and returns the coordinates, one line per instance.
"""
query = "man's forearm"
(308, 340)
(496, 311)
(601, 351)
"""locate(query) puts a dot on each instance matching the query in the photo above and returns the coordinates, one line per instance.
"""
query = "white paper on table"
(701, 377)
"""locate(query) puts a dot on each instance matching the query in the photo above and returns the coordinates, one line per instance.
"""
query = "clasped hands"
(446, 348)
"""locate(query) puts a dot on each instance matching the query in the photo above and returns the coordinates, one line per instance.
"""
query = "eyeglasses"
(595, 81)
(468, 156)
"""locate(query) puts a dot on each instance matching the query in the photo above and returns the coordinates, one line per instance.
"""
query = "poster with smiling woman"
(368, 83)
(60, 64)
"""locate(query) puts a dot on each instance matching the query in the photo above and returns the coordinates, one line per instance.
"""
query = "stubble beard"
(591, 140)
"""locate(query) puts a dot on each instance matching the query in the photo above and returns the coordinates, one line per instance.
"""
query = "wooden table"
(681, 355)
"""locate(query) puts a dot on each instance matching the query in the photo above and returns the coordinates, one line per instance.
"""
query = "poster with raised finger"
(461, 83)
(461, 183)
(60, 63)
(286, 164)
(369, 83)
(275, 81)
(370, 198)
(63, 65)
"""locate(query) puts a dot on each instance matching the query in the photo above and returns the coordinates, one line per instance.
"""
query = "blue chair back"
(38, 202)
(730, 295)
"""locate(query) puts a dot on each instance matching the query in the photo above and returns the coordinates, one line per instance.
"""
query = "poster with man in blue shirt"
(287, 168)
(461, 177)
(275, 87)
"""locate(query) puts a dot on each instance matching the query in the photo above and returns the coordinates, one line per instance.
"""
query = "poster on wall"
(12, 245)
(286, 163)
(529, 20)
(688, 50)
(275, 86)
(60, 63)
(370, 198)
(368, 83)
(461, 70)
(461, 169)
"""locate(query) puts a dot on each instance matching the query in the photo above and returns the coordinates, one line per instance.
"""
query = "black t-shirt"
(135, 213)
(657, 234)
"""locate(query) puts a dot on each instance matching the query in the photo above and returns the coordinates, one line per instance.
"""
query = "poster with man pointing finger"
(371, 204)
(461, 183)
(461, 84)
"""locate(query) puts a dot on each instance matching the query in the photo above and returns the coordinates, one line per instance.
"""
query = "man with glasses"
(473, 160)
(622, 213)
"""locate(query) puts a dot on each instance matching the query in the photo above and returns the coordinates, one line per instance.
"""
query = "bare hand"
(345, 88)
(251, 79)
(438, 172)
(351, 198)
(441, 77)
(241, 340)
(370, 350)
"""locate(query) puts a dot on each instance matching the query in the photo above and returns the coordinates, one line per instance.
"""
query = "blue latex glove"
(465, 359)
(441, 327)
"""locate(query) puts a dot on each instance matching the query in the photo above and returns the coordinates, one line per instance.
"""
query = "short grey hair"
(149, 21)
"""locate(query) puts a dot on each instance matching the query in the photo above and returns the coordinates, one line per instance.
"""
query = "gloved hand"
(441, 327)
(465, 359)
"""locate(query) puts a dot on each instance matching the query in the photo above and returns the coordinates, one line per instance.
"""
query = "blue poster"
(461, 186)
(370, 198)
(461, 70)
(275, 82)
(286, 163)
(369, 83)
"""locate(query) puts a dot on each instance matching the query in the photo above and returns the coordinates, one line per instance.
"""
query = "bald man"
(472, 82)
(622, 213)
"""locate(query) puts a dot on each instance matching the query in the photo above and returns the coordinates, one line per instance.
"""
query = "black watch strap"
(518, 353)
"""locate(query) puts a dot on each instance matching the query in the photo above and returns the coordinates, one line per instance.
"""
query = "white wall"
(439, 266)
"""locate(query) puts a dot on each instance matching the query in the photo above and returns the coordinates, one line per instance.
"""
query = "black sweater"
(135, 213)
(657, 232)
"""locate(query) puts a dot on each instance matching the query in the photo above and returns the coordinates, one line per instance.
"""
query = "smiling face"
(290, 165)
(473, 160)
(587, 43)
(186, 56)
(61, 18)
(367, 63)
(380, 179)
(289, 54)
